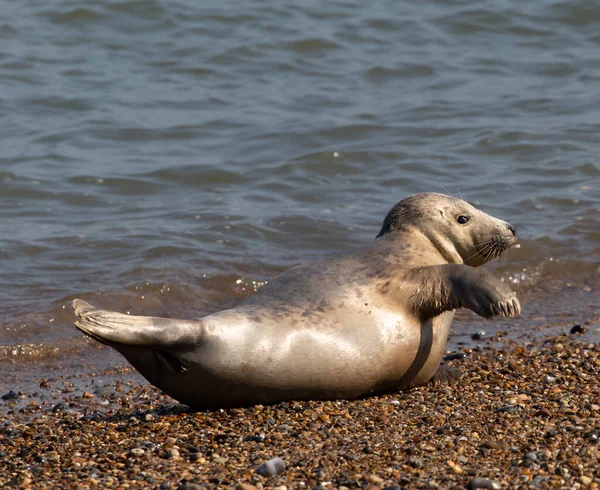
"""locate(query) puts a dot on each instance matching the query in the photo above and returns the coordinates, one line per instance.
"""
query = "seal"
(368, 321)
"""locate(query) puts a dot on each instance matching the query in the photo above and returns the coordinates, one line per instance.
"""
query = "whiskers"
(490, 249)
(449, 194)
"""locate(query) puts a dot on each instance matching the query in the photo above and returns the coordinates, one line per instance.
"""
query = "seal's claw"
(509, 308)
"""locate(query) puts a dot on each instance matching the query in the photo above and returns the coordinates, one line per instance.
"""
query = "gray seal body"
(369, 321)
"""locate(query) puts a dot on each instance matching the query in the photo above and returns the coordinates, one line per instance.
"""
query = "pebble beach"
(522, 416)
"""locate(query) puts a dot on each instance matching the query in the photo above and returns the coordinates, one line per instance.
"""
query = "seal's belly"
(339, 356)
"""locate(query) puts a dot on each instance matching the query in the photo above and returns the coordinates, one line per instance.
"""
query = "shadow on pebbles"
(521, 417)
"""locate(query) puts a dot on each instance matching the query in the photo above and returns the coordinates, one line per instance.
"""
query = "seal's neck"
(433, 240)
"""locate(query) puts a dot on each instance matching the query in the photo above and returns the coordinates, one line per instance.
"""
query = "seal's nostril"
(513, 230)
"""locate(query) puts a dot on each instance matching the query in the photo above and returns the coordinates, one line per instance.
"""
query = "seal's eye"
(462, 219)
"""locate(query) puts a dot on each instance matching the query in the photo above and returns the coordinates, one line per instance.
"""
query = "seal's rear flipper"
(110, 327)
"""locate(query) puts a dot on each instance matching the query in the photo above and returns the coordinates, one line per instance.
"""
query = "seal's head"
(460, 232)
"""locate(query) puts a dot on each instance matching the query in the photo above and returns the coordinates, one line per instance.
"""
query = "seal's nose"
(513, 230)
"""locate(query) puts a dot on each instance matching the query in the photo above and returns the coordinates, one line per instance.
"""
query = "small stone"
(456, 469)
(374, 479)
(585, 480)
(11, 395)
(59, 407)
(530, 457)
(87, 394)
(454, 357)
(507, 409)
(245, 486)
(39, 459)
(172, 453)
(272, 467)
(415, 462)
(393, 487)
(137, 452)
(592, 436)
(558, 347)
(576, 329)
(548, 379)
(478, 335)
(484, 483)
(52, 456)
(256, 438)
(495, 445)
(191, 486)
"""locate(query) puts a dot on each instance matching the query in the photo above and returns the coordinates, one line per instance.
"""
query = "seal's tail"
(110, 327)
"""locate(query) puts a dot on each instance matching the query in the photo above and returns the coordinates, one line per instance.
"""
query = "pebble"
(39, 459)
(374, 479)
(578, 329)
(484, 483)
(59, 407)
(255, 438)
(507, 409)
(585, 480)
(592, 436)
(478, 335)
(11, 395)
(495, 445)
(52, 456)
(245, 486)
(530, 457)
(137, 452)
(172, 453)
(272, 467)
(548, 379)
(453, 357)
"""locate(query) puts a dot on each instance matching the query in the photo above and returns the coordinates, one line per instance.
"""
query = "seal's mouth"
(491, 249)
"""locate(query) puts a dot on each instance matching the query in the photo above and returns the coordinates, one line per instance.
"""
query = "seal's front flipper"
(110, 327)
(440, 288)
(484, 294)
(446, 375)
